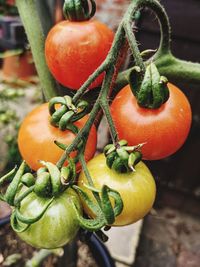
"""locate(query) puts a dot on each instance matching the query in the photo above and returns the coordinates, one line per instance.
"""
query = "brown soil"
(11, 244)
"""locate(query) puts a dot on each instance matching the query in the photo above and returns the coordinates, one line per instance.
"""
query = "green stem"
(174, 69)
(88, 177)
(105, 106)
(155, 6)
(32, 24)
(178, 70)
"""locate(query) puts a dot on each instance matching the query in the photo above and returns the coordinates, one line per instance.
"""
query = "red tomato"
(75, 49)
(164, 130)
(36, 138)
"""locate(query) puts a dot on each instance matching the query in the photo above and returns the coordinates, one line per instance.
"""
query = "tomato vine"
(152, 94)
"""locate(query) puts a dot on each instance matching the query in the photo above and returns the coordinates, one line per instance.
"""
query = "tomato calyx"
(151, 90)
(104, 212)
(67, 112)
(122, 158)
(47, 183)
(79, 10)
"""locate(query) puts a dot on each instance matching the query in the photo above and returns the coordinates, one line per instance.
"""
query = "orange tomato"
(163, 130)
(36, 138)
(74, 50)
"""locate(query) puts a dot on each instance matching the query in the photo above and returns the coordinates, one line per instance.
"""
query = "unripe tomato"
(74, 50)
(137, 189)
(163, 130)
(59, 224)
(36, 138)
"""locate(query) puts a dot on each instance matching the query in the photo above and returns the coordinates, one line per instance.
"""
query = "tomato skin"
(137, 189)
(164, 130)
(74, 50)
(36, 138)
(59, 224)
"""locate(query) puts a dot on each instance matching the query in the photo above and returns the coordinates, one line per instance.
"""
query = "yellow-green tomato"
(59, 224)
(137, 189)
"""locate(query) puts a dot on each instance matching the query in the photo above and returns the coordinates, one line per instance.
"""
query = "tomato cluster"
(74, 50)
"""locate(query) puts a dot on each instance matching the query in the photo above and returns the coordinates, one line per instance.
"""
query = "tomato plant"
(137, 189)
(36, 138)
(75, 49)
(163, 130)
(57, 226)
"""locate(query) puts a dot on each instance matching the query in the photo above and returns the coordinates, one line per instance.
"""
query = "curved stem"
(32, 24)
(174, 69)
(157, 8)
(134, 47)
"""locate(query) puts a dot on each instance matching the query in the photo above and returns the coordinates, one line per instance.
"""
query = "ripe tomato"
(75, 49)
(36, 138)
(137, 189)
(58, 225)
(164, 130)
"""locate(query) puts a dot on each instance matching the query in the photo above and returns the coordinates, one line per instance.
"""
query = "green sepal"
(13, 187)
(92, 206)
(153, 91)
(16, 226)
(78, 10)
(89, 224)
(43, 187)
(64, 121)
(106, 205)
(65, 175)
(135, 80)
(118, 203)
(119, 166)
(133, 159)
(28, 179)
(54, 177)
(123, 154)
(20, 217)
(23, 195)
(8, 176)
(60, 145)
(57, 115)
(110, 158)
(41, 170)
(55, 100)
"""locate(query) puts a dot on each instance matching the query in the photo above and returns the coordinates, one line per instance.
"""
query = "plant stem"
(32, 24)
(174, 69)
(178, 70)
(88, 177)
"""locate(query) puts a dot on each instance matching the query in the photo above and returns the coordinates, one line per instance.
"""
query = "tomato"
(36, 138)
(163, 130)
(137, 189)
(74, 50)
(58, 225)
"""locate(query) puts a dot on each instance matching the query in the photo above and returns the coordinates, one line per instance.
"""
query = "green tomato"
(59, 224)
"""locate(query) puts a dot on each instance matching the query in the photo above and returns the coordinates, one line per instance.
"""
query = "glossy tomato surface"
(59, 224)
(163, 130)
(137, 189)
(36, 138)
(75, 49)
